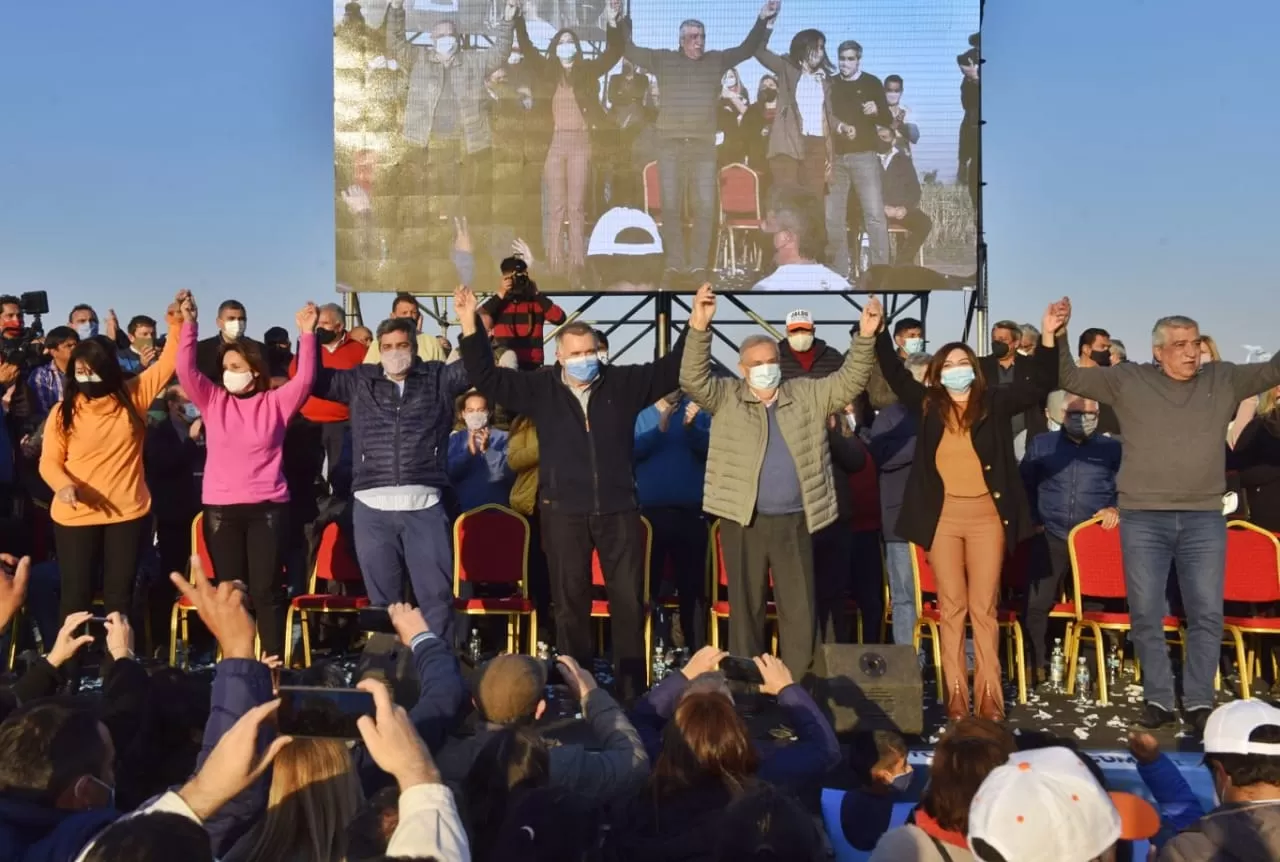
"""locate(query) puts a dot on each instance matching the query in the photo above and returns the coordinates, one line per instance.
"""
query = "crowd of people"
(439, 142)
(808, 460)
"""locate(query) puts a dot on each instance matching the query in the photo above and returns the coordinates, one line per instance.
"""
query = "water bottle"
(1057, 666)
(1114, 664)
(1084, 682)
(659, 662)
(473, 646)
(544, 651)
(180, 654)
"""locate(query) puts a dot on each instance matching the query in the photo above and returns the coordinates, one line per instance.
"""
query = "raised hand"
(613, 11)
(1056, 317)
(872, 317)
(703, 661)
(233, 764)
(221, 609)
(775, 673)
(464, 303)
(770, 10)
(704, 308)
(393, 742)
(111, 326)
(408, 621)
(307, 317)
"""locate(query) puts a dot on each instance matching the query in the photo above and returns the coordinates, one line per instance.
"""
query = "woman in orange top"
(92, 459)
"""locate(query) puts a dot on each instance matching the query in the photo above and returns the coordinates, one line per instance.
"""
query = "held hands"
(175, 314)
(770, 10)
(464, 302)
(188, 309)
(1056, 317)
(307, 318)
(704, 308)
(513, 6)
(872, 318)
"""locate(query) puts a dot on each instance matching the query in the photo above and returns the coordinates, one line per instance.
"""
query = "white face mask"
(88, 378)
(800, 341)
(566, 51)
(396, 362)
(446, 45)
(852, 421)
(765, 376)
(603, 356)
(233, 328)
(475, 419)
(237, 381)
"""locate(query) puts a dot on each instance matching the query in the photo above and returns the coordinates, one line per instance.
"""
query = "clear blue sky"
(1128, 151)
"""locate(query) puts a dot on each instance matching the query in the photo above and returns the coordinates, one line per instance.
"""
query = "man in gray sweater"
(1175, 414)
(690, 83)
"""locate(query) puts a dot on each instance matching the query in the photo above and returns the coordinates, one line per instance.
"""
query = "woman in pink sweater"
(245, 495)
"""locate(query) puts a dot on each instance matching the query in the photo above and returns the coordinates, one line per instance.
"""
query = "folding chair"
(491, 548)
(600, 607)
(1252, 577)
(334, 564)
(652, 192)
(184, 607)
(740, 208)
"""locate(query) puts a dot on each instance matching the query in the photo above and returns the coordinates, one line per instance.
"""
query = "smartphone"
(326, 713)
(736, 669)
(97, 627)
(375, 620)
(141, 344)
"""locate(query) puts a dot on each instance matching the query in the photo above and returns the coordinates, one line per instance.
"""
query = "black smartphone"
(375, 620)
(555, 676)
(736, 669)
(327, 713)
(97, 627)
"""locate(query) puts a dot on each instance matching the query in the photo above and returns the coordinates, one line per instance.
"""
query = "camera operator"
(519, 312)
(11, 320)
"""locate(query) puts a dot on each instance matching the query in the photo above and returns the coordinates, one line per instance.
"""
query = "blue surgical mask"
(191, 411)
(902, 783)
(87, 330)
(111, 791)
(583, 369)
(765, 376)
(957, 379)
(913, 345)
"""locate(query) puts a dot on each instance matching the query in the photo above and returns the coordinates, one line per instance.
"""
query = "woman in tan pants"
(964, 501)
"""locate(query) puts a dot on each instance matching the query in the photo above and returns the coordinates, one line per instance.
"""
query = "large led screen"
(637, 146)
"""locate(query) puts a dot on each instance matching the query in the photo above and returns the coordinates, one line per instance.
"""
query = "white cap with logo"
(1230, 726)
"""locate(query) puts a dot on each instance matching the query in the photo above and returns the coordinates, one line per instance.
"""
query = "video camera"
(25, 349)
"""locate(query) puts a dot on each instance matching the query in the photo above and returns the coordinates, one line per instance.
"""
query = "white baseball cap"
(625, 231)
(1230, 726)
(1045, 805)
(799, 319)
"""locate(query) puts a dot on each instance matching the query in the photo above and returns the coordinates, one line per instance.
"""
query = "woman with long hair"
(92, 459)
(246, 498)
(1256, 455)
(964, 500)
(315, 795)
(514, 760)
(800, 144)
(566, 92)
(734, 103)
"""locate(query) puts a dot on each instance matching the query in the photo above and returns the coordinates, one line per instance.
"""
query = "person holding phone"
(141, 353)
(244, 491)
(92, 459)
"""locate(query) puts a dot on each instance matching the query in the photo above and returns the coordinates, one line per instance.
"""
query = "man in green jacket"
(769, 476)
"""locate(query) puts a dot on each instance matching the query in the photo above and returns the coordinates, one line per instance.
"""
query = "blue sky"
(1128, 154)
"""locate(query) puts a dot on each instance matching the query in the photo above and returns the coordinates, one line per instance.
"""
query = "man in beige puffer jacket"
(769, 475)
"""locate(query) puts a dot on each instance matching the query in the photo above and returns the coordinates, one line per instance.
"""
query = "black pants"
(247, 543)
(539, 585)
(680, 535)
(867, 558)
(918, 226)
(832, 564)
(619, 539)
(1050, 565)
(781, 543)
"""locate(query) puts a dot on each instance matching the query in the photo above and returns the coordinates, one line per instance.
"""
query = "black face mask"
(999, 349)
(326, 336)
(1100, 357)
(94, 390)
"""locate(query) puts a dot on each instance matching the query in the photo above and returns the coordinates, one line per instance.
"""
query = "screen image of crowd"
(549, 552)
(633, 148)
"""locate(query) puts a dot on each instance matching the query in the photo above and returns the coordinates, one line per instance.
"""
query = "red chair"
(652, 192)
(334, 564)
(1253, 577)
(1097, 567)
(491, 548)
(184, 606)
(740, 208)
(600, 607)
(929, 618)
(718, 581)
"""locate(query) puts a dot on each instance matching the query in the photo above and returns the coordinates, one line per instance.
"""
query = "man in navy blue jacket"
(401, 417)
(1070, 477)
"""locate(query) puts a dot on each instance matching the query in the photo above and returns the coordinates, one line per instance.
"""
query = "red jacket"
(865, 490)
(348, 354)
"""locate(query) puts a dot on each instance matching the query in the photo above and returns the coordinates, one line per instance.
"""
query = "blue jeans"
(687, 171)
(389, 543)
(1197, 541)
(902, 590)
(863, 173)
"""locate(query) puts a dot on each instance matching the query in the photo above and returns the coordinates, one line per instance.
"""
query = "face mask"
(1053, 426)
(88, 378)
(566, 51)
(446, 45)
(1081, 426)
(957, 379)
(233, 328)
(852, 421)
(801, 341)
(515, 59)
(999, 350)
(728, 83)
(190, 411)
(475, 421)
(902, 783)
(768, 93)
(1022, 352)
(891, 97)
(603, 356)
(237, 381)
(765, 376)
(111, 791)
(325, 336)
(396, 362)
(913, 345)
(583, 369)
(1100, 357)
(86, 330)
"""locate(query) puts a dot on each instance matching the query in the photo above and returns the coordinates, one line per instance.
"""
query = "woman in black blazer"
(964, 502)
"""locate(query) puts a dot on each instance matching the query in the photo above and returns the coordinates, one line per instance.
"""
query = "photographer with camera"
(519, 312)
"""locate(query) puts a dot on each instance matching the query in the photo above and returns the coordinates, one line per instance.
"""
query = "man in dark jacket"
(586, 415)
(232, 320)
(1004, 366)
(401, 416)
(902, 196)
(1070, 477)
(802, 354)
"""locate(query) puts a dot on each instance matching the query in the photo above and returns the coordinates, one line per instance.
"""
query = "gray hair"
(692, 24)
(1175, 321)
(755, 341)
(1118, 349)
(918, 364)
(335, 309)
(578, 328)
(1056, 405)
(1029, 331)
(398, 324)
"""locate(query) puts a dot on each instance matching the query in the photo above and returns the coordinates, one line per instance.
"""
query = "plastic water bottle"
(544, 651)
(1057, 666)
(180, 654)
(1114, 664)
(1084, 681)
(473, 646)
(659, 662)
